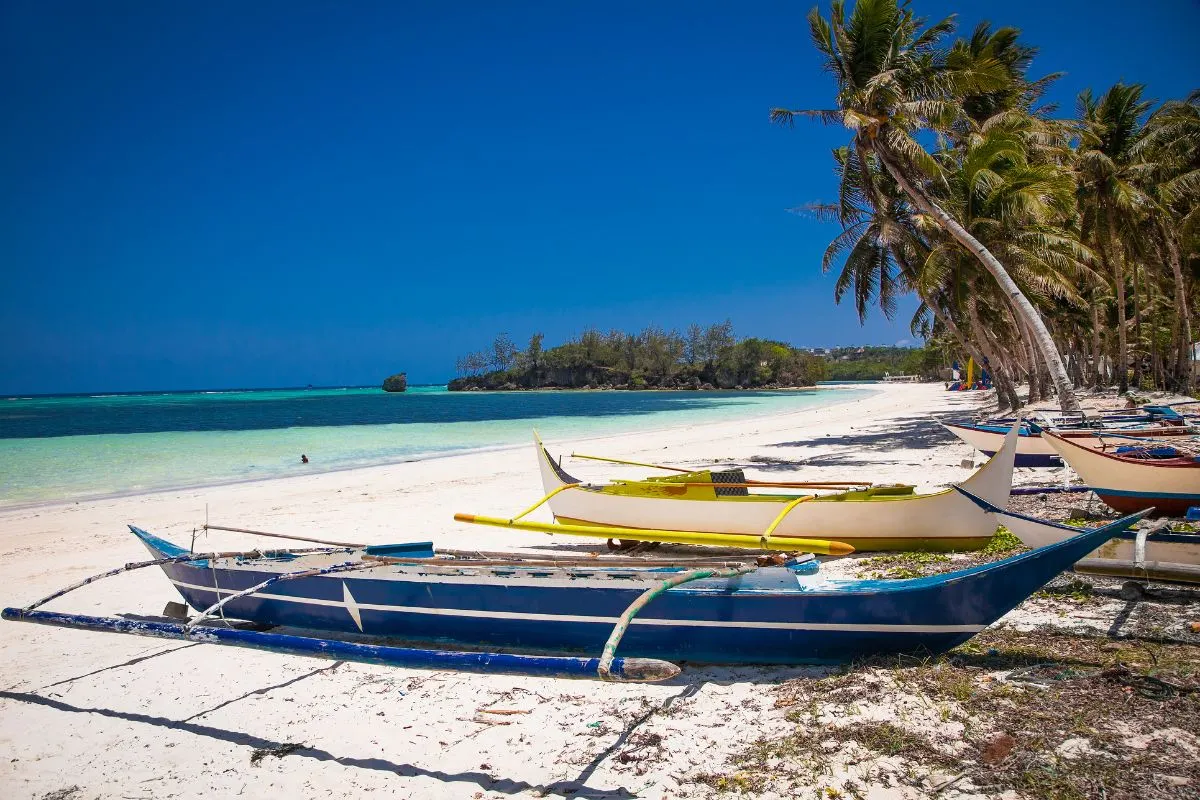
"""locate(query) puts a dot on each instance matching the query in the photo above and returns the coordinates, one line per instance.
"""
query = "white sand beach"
(89, 715)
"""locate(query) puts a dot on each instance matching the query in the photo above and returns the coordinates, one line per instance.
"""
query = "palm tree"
(893, 80)
(1169, 154)
(986, 48)
(887, 253)
(1109, 198)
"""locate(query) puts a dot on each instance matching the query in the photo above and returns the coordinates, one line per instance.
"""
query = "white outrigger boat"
(869, 518)
(1145, 553)
(1129, 475)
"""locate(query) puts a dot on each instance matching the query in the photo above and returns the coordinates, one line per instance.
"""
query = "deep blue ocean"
(73, 447)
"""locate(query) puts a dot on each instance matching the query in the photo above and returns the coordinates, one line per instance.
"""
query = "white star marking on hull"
(351, 606)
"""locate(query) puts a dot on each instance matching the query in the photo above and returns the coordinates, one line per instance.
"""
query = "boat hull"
(1127, 485)
(940, 521)
(1031, 451)
(1034, 451)
(1164, 505)
(1164, 555)
(773, 615)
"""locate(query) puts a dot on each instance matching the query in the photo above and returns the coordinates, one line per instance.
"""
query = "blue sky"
(283, 193)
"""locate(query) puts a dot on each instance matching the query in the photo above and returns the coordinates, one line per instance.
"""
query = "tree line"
(872, 363)
(1064, 249)
(709, 357)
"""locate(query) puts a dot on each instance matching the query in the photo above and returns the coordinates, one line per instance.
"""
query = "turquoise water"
(70, 448)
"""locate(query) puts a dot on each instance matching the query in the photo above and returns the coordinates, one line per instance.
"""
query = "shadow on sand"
(917, 433)
(261, 747)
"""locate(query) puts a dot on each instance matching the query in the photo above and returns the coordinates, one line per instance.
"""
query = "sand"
(90, 715)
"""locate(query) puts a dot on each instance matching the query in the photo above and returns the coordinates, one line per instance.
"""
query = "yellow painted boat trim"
(891, 543)
(786, 544)
(874, 494)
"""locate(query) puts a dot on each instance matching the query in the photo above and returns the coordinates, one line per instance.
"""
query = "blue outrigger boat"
(1149, 422)
(721, 612)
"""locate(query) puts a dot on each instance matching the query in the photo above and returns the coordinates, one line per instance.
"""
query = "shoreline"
(106, 713)
(712, 389)
(423, 457)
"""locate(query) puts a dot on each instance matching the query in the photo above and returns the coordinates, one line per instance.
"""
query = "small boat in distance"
(731, 613)
(872, 518)
(1129, 475)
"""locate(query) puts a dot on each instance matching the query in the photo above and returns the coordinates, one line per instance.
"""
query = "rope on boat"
(217, 607)
(132, 565)
(604, 670)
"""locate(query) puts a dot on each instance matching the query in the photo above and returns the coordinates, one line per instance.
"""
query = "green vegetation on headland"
(873, 363)
(1065, 251)
(701, 358)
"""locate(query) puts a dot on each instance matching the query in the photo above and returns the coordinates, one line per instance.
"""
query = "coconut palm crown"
(894, 78)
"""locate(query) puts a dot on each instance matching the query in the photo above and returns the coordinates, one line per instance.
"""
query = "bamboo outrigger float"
(718, 508)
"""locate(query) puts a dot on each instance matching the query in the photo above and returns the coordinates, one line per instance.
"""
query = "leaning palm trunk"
(1035, 375)
(1181, 302)
(947, 320)
(1139, 342)
(1005, 387)
(1118, 273)
(1000, 372)
(1025, 310)
(972, 350)
(1006, 394)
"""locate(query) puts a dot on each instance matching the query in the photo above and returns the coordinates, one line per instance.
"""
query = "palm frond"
(787, 116)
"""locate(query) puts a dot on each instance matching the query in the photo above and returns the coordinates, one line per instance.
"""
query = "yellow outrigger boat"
(726, 509)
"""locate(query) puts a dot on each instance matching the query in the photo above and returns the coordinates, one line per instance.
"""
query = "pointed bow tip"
(840, 549)
(645, 670)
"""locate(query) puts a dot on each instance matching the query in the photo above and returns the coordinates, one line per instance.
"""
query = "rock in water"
(396, 383)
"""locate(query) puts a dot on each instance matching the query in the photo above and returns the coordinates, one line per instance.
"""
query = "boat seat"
(730, 476)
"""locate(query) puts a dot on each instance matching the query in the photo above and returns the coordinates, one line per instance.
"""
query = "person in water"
(303, 458)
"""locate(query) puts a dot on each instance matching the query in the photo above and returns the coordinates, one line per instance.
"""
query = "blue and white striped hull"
(770, 616)
(686, 625)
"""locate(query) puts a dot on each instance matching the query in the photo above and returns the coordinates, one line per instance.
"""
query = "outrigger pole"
(743, 484)
(623, 669)
(630, 463)
(786, 544)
